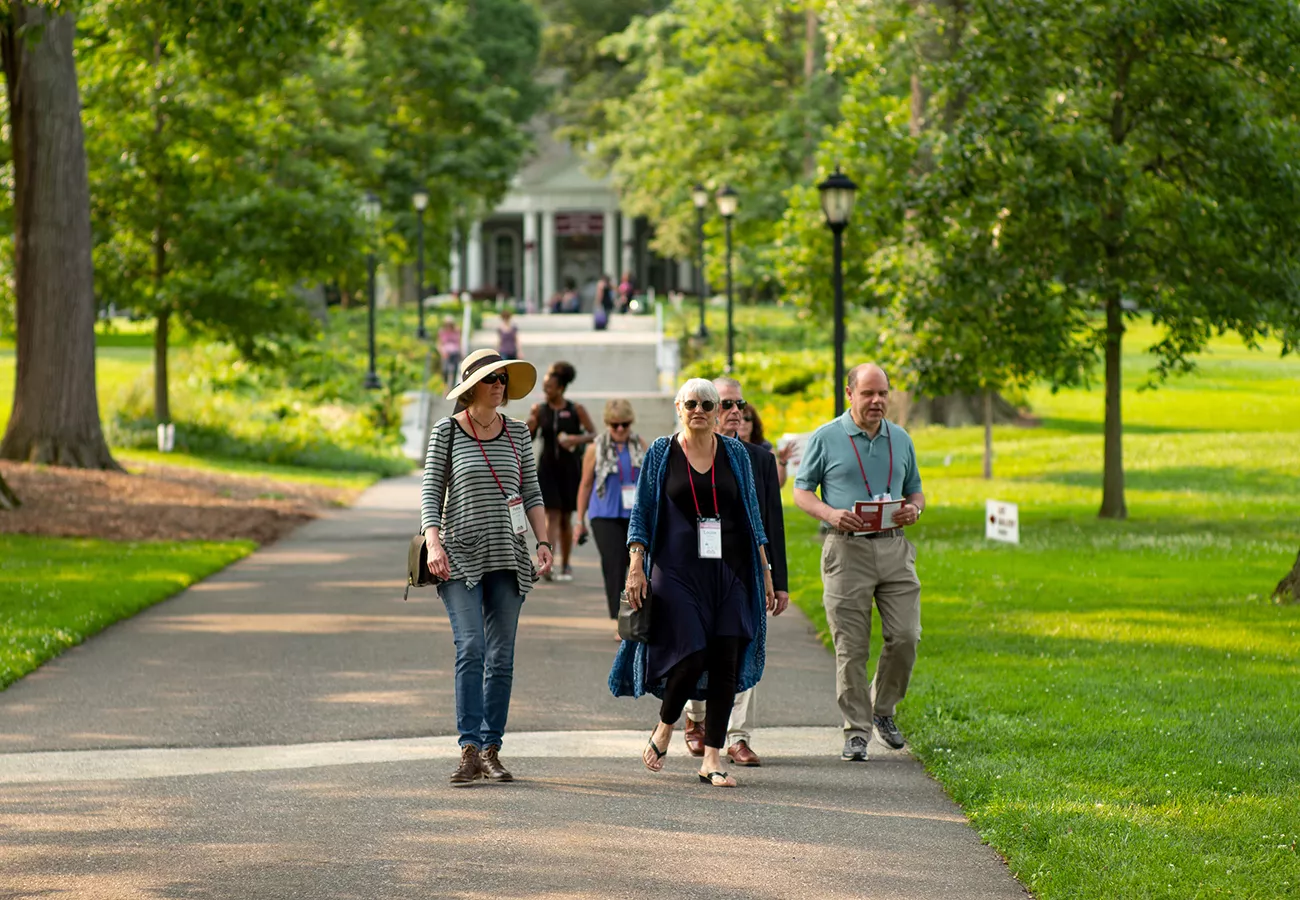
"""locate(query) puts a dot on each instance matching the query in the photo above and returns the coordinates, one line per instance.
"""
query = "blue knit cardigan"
(628, 676)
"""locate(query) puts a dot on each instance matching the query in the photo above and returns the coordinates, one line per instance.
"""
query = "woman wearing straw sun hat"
(480, 495)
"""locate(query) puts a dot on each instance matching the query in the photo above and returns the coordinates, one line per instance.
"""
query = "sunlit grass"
(56, 593)
(350, 481)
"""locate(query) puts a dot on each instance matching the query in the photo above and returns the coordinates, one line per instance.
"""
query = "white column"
(629, 247)
(609, 258)
(474, 277)
(684, 272)
(550, 275)
(455, 279)
(530, 260)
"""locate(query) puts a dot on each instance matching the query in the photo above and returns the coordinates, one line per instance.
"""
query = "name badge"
(710, 539)
(518, 521)
(628, 495)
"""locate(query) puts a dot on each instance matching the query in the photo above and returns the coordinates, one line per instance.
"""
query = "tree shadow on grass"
(1096, 426)
(1232, 482)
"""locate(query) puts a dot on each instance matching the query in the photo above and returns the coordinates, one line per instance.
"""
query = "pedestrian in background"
(743, 713)
(508, 335)
(564, 427)
(608, 489)
(863, 456)
(480, 494)
(449, 350)
(626, 290)
(697, 545)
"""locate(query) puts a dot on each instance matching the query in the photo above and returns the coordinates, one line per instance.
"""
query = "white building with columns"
(558, 228)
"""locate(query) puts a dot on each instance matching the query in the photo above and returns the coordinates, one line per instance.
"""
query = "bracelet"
(546, 544)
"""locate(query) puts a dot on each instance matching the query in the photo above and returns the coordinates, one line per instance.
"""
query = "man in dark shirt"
(767, 483)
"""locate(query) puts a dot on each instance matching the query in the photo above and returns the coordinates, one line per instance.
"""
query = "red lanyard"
(862, 468)
(713, 477)
(509, 437)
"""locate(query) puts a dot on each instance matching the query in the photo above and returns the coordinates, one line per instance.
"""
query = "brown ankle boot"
(491, 763)
(471, 767)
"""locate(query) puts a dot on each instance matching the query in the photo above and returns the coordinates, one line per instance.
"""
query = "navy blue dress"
(698, 599)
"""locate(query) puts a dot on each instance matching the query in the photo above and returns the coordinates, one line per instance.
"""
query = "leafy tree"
(55, 415)
(722, 98)
(205, 214)
(1132, 158)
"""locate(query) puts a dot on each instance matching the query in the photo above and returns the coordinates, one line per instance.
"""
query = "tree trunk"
(56, 411)
(162, 411)
(1112, 493)
(988, 434)
(1288, 589)
(8, 499)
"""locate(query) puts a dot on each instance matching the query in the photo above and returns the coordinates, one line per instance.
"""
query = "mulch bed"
(159, 503)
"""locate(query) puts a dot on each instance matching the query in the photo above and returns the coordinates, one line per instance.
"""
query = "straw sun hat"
(523, 375)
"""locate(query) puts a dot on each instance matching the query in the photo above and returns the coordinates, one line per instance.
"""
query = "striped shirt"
(473, 522)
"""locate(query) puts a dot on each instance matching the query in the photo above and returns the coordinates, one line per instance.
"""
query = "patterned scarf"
(607, 457)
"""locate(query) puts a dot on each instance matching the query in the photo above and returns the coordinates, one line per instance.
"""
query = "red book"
(876, 515)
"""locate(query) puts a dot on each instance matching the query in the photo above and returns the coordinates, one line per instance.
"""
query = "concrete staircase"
(628, 361)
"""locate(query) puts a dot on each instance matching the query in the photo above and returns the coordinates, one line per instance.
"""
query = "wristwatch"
(546, 544)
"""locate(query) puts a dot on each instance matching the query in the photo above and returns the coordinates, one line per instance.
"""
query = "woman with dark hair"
(751, 429)
(564, 427)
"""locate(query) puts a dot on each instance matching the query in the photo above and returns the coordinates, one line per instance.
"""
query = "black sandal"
(659, 754)
(708, 779)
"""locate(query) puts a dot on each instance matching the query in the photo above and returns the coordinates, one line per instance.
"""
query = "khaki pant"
(742, 715)
(854, 571)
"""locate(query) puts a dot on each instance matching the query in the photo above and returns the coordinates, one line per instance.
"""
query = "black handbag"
(634, 624)
(417, 552)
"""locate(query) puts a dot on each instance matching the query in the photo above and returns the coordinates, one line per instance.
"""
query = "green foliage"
(302, 404)
(56, 593)
(1113, 704)
(721, 98)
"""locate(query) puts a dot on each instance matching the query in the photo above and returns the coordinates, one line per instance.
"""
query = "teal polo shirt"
(829, 462)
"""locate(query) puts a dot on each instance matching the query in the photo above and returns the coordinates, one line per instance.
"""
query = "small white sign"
(1001, 521)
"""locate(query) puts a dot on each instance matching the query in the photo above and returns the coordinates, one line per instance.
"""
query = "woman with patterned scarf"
(611, 467)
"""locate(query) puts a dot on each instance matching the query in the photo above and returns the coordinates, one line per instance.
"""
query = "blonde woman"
(606, 493)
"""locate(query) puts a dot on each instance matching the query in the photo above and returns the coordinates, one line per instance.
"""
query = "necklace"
(487, 424)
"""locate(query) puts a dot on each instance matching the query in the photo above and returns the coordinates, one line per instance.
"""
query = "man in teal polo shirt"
(863, 456)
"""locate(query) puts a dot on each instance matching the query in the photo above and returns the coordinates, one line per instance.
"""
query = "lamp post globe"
(700, 197)
(370, 212)
(837, 194)
(420, 200)
(728, 203)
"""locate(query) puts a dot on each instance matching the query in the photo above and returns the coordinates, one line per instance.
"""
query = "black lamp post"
(728, 202)
(700, 197)
(420, 200)
(370, 212)
(837, 203)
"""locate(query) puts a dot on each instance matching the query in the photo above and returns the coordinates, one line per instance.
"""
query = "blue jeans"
(484, 620)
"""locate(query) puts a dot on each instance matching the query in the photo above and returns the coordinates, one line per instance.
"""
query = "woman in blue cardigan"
(697, 544)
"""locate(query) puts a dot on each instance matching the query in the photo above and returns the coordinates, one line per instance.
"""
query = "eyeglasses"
(494, 377)
(738, 404)
(706, 405)
(620, 424)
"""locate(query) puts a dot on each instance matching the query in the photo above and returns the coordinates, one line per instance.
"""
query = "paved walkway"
(284, 730)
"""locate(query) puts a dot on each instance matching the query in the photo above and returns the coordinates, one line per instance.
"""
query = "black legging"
(722, 660)
(611, 541)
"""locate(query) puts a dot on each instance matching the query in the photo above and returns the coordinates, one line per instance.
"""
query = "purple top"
(508, 341)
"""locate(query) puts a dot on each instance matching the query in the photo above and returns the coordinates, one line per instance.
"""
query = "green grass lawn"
(57, 592)
(117, 368)
(1116, 705)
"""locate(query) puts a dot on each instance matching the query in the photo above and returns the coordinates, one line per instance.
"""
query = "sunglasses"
(494, 377)
(738, 404)
(706, 405)
(620, 424)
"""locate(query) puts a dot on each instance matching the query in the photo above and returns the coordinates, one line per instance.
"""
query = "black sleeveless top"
(551, 423)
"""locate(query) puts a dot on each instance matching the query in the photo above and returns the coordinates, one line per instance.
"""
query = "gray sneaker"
(888, 732)
(855, 750)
